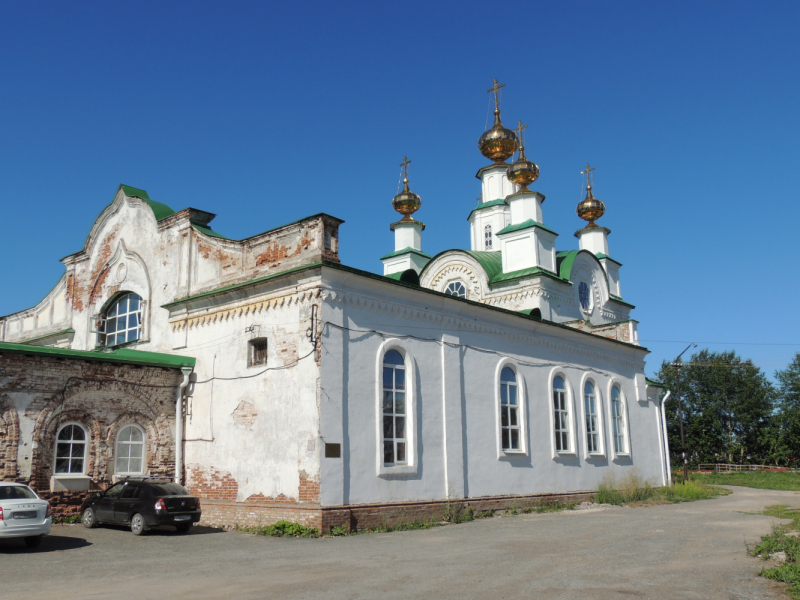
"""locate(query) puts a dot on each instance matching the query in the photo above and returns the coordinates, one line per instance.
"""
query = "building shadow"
(50, 543)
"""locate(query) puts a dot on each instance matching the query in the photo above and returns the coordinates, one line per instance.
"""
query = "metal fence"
(727, 468)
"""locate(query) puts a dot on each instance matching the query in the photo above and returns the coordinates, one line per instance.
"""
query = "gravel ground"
(691, 550)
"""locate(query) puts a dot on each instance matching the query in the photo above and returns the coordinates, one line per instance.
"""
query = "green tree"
(787, 433)
(728, 406)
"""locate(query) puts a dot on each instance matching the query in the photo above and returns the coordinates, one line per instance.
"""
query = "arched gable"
(474, 269)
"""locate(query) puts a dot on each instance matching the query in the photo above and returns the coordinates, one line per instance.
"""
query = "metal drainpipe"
(668, 477)
(179, 424)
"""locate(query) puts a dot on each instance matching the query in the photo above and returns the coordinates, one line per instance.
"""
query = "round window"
(584, 295)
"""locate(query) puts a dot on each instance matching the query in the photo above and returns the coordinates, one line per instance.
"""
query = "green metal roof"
(408, 250)
(488, 204)
(160, 210)
(620, 300)
(523, 274)
(524, 225)
(656, 383)
(208, 231)
(601, 255)
(121, 355)
(492, 262)
(407, 276)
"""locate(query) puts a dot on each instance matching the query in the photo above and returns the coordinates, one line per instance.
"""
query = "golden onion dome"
(590, 208)
(406, 202)
(499, 143)
(522, 172)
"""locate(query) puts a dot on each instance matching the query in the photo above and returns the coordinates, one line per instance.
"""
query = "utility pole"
(677, 366)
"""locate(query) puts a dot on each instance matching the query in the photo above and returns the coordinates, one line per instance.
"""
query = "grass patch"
(281, 529)
(633, 490)
(70, 519)
(763, 480)
(779, 540)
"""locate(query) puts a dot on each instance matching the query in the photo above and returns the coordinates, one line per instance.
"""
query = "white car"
(23, 514)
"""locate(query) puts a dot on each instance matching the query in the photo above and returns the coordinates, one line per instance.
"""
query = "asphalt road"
(691, 550)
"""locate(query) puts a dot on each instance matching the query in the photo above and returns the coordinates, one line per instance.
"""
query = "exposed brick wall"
(209, 483)
(103, 397)
(619, 331)
(245, 414)
(309, 488)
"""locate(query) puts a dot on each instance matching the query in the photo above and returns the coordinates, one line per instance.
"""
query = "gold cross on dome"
(405, 164)
(519, 129)
(494, 89)
(587, 172)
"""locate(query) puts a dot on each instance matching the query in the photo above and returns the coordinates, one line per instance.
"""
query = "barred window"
(456, 288)
(487, 237)
(257, 352)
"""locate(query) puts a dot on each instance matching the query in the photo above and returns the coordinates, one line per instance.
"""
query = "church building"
(277, 383)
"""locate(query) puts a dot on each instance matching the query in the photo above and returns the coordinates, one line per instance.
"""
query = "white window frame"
(117, 442)
(412, 463)
(521, 411)
(86, 442)
(625, 454)
(140, 311)
(600, 416)
(572, 451)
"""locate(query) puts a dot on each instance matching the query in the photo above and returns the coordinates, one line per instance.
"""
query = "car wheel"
(183, 527)
(33, 541)
(137, 524)
(88, 519)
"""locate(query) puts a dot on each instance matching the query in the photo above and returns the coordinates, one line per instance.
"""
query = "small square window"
(257, 352)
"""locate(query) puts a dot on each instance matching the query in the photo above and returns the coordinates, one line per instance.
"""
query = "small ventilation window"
(257, 352)
(487, 237)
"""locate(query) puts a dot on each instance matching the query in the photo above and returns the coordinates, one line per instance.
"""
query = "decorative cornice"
(452, 322)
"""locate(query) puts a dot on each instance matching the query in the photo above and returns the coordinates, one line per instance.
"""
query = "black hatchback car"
(142, 503)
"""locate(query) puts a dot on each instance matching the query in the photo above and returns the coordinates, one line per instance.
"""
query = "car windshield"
(168, 489)
(15, 492)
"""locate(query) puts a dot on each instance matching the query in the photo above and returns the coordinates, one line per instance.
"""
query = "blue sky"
(267, 112)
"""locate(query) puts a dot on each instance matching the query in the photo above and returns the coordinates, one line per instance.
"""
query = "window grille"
(590, 406)
(123, 321)
(561, 414)
(487, 237)
(257, 353)
(509, 410)
(394, 409)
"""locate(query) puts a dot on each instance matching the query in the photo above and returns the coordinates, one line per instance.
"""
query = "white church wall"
(456, 416)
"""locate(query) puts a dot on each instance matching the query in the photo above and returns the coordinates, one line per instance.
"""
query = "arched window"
(487, 237)
(123, 320)
(456, 288)
(395, 443)
(617, 421)
(590, 409)
(130, 451)
(561, 414)
(509, 410)
(71, 444)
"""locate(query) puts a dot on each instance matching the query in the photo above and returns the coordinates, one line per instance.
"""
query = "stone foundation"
(218, 513)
